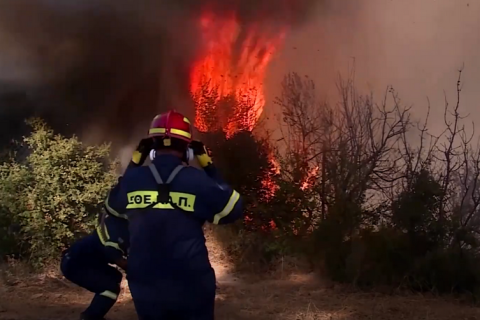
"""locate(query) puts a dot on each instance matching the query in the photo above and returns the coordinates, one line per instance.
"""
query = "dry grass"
(300, 297)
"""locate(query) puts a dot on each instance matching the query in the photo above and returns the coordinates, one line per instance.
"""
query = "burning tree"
(227, 79)
(227, 88)
(226, 84)
(341, 154)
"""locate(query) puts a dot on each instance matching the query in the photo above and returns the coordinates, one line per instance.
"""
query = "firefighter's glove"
(202, 153)
(143, 150)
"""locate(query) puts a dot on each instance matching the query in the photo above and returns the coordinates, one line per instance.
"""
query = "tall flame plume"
(232, 67)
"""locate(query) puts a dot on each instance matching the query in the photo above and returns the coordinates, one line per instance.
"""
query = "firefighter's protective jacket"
(166, 239)
(107, 244)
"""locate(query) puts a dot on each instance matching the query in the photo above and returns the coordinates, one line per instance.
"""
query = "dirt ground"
(299, 297)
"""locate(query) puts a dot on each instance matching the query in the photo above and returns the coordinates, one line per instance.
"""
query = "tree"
(348, 147)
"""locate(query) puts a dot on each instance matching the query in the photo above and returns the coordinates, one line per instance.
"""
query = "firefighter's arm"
(115, 254)
(122, 264)
(223, 204)
(113, 234)
(204, 158)
(116, 202)
(113, 250)
(212, 171)
(141, 153)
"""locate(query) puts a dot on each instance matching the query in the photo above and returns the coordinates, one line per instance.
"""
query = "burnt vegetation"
(365, 193)
(359, 189)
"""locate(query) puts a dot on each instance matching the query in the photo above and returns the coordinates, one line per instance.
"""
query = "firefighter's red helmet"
(171, 124)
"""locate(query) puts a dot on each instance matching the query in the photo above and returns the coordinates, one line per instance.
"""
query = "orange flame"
(268, 181)
(310, 179)
(227, 79)
(232, 69)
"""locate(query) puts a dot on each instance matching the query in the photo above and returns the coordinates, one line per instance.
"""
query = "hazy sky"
(416, 46)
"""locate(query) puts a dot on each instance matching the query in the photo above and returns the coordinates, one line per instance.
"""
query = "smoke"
(104, 68)
(415, 46)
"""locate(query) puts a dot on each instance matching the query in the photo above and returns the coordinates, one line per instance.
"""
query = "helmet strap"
(185, 156)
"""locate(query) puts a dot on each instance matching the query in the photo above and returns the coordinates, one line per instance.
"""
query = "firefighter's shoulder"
(141, 177)
(135, 172)
(117, 200)
(195, 176)
(135, 175)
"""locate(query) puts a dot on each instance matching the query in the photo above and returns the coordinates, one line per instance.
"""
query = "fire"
(227, 81)
(310, 179)
(233, 68)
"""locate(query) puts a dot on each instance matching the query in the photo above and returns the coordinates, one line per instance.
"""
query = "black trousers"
(101, 279)
(175, 300)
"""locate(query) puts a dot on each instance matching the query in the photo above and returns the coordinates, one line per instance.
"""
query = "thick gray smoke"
(104, 68)
(416, 46)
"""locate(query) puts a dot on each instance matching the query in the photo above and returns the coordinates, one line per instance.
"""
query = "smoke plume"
(104, 68)
(415, 46)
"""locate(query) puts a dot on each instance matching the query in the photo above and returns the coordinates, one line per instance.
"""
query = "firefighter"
(86, 263)
(167, 203)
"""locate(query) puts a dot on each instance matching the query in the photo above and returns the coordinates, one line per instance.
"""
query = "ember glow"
(233, 65)
(310, 179)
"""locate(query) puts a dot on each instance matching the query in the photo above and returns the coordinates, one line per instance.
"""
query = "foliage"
(53, 193)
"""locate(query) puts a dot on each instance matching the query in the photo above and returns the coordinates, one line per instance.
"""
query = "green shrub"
(54, 193)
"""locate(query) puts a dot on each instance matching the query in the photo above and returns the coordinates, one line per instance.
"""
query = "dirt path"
(301, 297)
(297, 298)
